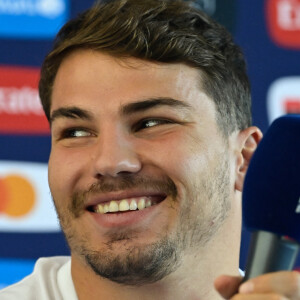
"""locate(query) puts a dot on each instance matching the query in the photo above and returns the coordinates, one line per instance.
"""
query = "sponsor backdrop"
(267, 30)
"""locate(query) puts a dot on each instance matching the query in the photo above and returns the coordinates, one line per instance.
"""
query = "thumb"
(227, 286)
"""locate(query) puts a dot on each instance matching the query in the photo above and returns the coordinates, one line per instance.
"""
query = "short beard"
(148, 263)
(142, 264)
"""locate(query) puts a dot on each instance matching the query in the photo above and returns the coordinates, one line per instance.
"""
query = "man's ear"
(248, 140)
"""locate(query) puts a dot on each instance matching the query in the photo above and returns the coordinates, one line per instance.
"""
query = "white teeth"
(113, 206)
(148, 203)
(133, 205)
(141, 204)
(106, 208)
(123, 205)
(100, 209)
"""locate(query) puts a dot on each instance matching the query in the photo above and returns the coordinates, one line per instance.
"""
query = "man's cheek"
(63, 168)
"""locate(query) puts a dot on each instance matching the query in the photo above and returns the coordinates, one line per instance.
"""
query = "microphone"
(271, 199)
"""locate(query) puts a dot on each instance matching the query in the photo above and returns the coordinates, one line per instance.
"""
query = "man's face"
(140, 140)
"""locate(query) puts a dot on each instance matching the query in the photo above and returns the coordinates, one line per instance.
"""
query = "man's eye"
(75, 133)
(148, 123)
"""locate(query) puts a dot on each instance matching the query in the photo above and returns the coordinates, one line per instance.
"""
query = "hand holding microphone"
(271, 210)
(271, 199)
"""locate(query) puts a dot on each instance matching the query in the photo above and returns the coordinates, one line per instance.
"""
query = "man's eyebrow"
(71, 113)
(130, 108)
(146, 104)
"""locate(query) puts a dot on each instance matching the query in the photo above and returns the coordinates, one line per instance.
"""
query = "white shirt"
(51, 280)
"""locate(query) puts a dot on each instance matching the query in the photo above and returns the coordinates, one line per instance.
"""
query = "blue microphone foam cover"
(271, 191)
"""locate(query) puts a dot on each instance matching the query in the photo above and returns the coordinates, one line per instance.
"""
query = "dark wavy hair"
(165, 31)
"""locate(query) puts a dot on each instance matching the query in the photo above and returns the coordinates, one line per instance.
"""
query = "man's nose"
(115, 155)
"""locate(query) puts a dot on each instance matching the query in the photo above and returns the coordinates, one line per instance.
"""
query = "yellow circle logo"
(17, 196)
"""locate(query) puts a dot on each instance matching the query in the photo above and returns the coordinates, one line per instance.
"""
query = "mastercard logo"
(18, 196)
(25, 199)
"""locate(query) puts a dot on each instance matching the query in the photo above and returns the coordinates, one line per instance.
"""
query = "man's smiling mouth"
(125, 205)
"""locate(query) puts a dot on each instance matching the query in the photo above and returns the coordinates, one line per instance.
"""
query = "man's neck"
(193, 280)
(92, 287)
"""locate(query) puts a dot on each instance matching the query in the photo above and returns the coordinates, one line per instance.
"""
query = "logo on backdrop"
(20, 107)
(18, 196)
(283, 97)
(32, 18)
(283, 19)
(26, 204)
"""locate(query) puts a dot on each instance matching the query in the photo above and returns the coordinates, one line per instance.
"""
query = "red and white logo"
(283, 97)
(20, 107)
(283, 19)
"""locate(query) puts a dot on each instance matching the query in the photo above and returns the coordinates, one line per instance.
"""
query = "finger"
(270, 296)
(285, 283)
(227, 286)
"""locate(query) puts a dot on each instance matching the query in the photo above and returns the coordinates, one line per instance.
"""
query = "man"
(149, 108)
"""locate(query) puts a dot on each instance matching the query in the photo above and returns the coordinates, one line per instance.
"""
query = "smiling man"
(149, 108)
(143, 184)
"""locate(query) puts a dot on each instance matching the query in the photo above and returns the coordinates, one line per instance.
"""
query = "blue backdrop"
(267, 30)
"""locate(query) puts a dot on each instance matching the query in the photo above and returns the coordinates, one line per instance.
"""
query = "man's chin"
(134, 265)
